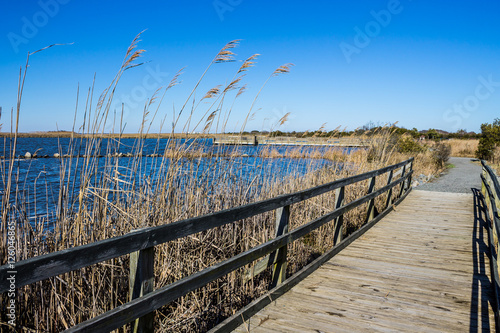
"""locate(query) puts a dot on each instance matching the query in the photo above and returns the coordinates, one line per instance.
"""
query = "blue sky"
(424, 64)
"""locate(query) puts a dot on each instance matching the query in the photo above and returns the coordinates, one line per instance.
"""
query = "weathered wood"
(491, 204)
(141, 282)
(49, 265)
(123, 314)
(398, 173)
(409, 178)
(392, 287)
(268, 261)
(388, 201)
(279, 268)
(277, 258)
(338, 234)
(244, 314)
(493, 178)
(402, 185)
(258, 268)
(491, 194)
(370, 213)
(493, 246)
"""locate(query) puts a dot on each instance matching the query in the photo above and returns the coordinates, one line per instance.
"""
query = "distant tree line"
(369, 129)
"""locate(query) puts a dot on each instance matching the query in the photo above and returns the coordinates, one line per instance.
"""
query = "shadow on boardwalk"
(423, 268)
(482, 289)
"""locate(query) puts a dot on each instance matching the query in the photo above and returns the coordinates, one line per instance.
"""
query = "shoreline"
(37, 135)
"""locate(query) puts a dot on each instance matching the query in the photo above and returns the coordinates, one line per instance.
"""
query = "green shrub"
(490, 138)
(441, 154)
(407, 145)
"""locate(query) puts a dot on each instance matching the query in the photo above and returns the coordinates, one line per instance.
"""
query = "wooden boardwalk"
(289, 141)
(423, 268)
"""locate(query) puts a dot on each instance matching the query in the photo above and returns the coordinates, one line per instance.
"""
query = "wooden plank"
(279, 268)
(388, 313)
(384, 287)
(278, 257)
(141, 282)
(492, 196)
(370, 213)
(338, 234)
(493, 178)
(388, 201)
(258, 268)
(408, 291)
(396, 309)
(401, 190)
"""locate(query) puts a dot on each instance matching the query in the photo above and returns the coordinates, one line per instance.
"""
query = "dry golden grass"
(113, 200)
(463, 148)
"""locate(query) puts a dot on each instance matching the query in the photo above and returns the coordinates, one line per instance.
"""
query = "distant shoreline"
(105, 135)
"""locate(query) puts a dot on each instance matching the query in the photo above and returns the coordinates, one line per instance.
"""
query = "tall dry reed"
(463, 147)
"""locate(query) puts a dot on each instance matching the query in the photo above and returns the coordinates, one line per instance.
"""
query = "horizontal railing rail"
(139, 243)
(490, 189)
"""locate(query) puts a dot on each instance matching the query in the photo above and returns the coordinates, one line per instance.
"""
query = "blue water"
(47, 147)
(37, 181)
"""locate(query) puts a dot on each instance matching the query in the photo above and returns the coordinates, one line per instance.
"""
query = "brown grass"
(496, 160)
(114, 200)
(463, 148)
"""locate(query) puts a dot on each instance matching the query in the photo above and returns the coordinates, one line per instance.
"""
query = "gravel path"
(460, 179)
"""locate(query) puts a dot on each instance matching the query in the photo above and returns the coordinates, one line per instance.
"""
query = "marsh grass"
(106, 199)
(463, 147)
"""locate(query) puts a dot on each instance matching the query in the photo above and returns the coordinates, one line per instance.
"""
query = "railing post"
(492, 201)
(279, 267)
(403, 183)
(339, 221)
(141, 282)
(370, 214)
(491, 183)
(483, 186)
(408, 180)
(388, 201)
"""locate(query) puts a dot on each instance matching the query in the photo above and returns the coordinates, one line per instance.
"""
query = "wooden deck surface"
(423, 268)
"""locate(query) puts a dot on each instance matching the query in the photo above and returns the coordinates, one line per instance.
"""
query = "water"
(37, 181)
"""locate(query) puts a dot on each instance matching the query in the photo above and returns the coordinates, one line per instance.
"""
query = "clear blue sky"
(425, 64)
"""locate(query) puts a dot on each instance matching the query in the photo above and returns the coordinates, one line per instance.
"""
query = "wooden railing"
(491, 193)
(144, 300)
